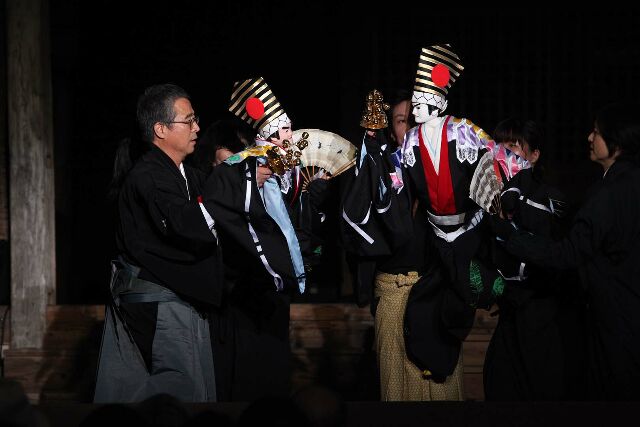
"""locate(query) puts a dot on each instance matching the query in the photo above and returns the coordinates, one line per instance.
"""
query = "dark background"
(551, 65)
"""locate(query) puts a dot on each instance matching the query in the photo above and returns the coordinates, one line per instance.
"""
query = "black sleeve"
(585, 238)
(231, 197)
(172, 214)
(376, 217)
(307, 222)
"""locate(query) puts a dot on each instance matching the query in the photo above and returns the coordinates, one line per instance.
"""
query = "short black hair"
(619, 125)
(514, 129)
(156, 105)
(396, 96)
(227, 132)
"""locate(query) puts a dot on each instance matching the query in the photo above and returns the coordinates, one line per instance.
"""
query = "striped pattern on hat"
(254, 88)
(429, 58)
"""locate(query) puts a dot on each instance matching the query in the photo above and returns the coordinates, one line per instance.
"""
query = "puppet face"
(284, 133)
(272, 131)
(424, 113)
(426, 106)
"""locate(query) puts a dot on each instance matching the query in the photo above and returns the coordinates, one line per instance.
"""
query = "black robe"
(377, 216)
(163, 231)
(604, 245)
(377, 225)
(387, 234)
(537, 347)
(460, 300)
(250, 332)
(307, 213)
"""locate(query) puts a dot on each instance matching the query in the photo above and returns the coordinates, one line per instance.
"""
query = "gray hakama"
(181, 355)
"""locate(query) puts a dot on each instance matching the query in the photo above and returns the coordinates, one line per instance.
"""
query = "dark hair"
(619, 125)
(128, 151)
(228, 132)
(525, 131)
(156, 105)
(396, 96)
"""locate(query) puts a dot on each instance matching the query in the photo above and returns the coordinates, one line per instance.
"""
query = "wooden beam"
(32, 209)
(4, 195)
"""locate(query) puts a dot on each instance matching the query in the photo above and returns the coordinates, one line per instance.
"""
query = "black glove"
(509, 201)
(317, 190)
(501, 227)
(376, 142)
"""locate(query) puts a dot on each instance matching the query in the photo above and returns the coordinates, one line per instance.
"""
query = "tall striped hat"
(253, 101)
(438, 68)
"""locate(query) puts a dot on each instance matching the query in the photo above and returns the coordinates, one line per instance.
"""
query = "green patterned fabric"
(498, 288)
(477, 286)
(475, 279)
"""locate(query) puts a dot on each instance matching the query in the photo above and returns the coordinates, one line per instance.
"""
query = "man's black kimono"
(604, 245)
(251, 331)
(537, 347)
(166, 279)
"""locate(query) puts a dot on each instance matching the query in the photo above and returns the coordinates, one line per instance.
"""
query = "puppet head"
(253, 101)
(438, 69)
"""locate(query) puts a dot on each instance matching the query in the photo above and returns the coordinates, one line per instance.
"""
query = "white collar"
(186, 181)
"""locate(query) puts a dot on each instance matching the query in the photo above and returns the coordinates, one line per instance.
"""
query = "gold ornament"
(374, 116)
(280, 163)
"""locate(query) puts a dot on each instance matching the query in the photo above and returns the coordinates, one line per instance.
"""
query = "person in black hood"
(530, 357)
(604, 246)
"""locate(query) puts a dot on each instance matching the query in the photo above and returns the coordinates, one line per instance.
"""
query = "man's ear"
(535, 154)
(444, 107)
(616, 153)
(160, 129)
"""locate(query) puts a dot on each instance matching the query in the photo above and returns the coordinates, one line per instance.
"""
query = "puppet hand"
(375, 140)
(501, 227)
(509, 201)
(262, 175)
(317, 190)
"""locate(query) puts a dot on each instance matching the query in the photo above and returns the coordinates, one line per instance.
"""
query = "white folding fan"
(486, 184)
(326, 154)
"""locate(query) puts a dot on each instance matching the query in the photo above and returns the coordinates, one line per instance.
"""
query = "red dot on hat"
(440, 75)
(255, 108)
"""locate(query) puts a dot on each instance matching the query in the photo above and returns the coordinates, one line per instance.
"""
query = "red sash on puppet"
(439, 184)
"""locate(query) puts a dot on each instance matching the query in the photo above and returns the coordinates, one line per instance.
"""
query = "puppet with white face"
(440, 156)
(253, 101)
(426, 106)
(438, 160)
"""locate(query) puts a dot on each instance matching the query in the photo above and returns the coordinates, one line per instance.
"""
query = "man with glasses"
(168, 273)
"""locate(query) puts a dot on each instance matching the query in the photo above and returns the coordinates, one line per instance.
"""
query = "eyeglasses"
(190, 122)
